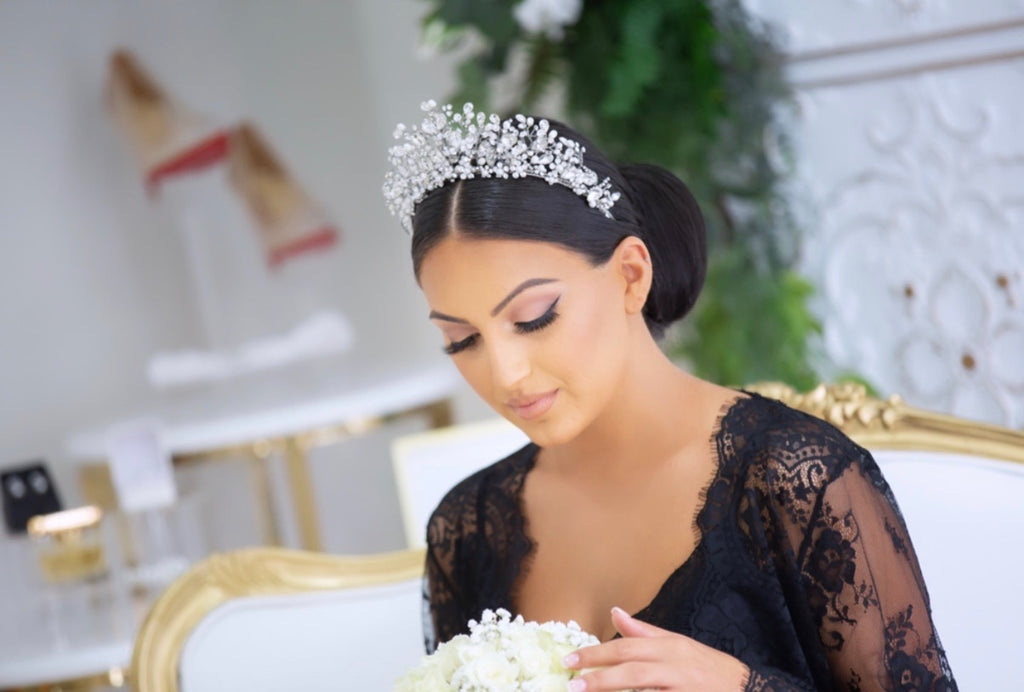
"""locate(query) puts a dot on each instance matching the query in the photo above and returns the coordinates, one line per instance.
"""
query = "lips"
(531, 407)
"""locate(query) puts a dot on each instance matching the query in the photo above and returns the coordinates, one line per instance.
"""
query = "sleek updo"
(655, 206)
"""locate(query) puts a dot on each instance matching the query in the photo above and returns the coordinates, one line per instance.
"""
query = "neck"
(657, 411)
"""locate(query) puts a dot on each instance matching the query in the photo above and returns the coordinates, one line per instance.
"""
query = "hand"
(648, 657)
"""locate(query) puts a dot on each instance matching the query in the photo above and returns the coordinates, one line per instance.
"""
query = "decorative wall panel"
(911, 156)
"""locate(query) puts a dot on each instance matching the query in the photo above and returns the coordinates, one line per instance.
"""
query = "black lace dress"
(804, 570)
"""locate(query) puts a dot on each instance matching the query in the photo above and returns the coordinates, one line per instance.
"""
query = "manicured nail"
(621, 612)
(571, 660)
(577, 685)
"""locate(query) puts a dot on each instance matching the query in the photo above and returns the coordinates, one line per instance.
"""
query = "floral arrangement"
(696, 86)
(500, 653)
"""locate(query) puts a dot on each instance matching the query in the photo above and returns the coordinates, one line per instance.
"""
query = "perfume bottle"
(68, 545)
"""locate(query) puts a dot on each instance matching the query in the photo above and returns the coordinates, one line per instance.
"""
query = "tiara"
(449, 146)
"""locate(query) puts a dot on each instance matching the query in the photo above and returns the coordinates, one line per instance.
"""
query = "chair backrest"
(269, 619)
(960, 488)
(428, 464)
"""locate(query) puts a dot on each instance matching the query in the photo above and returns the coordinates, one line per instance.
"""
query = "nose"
(510, 363)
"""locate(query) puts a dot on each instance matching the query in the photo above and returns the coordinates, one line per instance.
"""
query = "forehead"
(459, 268)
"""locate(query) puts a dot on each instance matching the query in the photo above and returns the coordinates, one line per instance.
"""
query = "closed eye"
(456, 346)
(541, 322)
(549, 316)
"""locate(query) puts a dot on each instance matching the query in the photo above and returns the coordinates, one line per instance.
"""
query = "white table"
(282, 412)
(78, 636)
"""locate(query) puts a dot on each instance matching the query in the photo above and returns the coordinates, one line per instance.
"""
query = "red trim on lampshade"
(205, 153)
(318, 240)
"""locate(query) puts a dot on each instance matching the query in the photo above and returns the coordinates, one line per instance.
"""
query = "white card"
(140, 465)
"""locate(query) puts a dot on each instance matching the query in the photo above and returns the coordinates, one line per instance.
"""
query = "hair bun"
(672, 226)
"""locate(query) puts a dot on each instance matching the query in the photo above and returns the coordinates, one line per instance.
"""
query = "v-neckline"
(714, 441)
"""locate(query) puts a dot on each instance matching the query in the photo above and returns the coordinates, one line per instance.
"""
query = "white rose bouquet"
(500, 653)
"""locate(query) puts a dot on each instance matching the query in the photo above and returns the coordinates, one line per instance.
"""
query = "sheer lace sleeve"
(856, 577)
(445, 613)
(476, 544)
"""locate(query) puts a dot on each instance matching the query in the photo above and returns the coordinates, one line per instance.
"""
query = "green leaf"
(637, 60)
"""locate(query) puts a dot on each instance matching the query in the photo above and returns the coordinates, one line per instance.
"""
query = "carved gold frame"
(239, 574)
(891, 424)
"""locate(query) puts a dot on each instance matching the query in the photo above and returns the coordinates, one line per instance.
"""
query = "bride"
(711, 538)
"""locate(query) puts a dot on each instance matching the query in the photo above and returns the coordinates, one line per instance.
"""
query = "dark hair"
(655, 206)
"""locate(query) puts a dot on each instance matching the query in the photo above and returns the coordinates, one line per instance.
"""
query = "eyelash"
(545, 320)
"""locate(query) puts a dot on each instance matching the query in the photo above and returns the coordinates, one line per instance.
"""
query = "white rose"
(493, 671)
(550, 682)
(548, 17)
(534, 661)
(469, 651)
(427, 677)
(447, 656)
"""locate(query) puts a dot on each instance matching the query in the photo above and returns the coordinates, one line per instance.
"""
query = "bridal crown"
(449, 146)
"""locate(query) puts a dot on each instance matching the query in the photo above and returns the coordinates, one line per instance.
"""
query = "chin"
(549, 433)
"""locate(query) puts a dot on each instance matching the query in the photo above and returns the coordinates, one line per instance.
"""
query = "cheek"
(474, 370)
(593, 344)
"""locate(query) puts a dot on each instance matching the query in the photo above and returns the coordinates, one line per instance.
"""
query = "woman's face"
(537, 331)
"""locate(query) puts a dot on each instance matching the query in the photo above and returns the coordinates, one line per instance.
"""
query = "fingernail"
(570, 660)
(621, 612)
(577, 685)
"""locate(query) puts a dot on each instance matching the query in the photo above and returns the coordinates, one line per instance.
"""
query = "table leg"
(440, 413)
(301, 483)
(259, 473)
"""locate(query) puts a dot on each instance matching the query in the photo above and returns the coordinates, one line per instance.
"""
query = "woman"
(757, 547)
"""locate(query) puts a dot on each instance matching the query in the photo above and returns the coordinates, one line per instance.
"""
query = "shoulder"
(789, 451)
(475, 498)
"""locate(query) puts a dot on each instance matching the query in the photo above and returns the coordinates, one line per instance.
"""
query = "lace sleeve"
(444, 611)
(857, 569)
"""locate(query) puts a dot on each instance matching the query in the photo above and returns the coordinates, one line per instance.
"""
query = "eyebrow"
(529, 283)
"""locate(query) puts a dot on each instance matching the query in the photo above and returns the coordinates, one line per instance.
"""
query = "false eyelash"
(456, 346)
(521, 327)
(543, 321)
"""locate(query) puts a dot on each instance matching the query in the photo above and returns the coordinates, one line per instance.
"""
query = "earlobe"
(635, 267)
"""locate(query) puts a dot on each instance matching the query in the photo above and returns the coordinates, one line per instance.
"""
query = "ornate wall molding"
(911, 159)
(837, 23)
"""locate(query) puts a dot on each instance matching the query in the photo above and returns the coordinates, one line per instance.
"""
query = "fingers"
(614, 652)
(628, 626)
(626, 676)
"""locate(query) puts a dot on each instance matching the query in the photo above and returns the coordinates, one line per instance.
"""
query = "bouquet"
(500, 653)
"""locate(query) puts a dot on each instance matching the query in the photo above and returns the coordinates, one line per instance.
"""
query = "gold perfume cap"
(61, 522)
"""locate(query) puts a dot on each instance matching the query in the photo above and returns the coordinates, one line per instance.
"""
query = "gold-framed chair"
(429, 463)
(276, 619)
(960, 487)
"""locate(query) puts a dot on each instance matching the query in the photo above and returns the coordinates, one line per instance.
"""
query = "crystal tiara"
(449, 146)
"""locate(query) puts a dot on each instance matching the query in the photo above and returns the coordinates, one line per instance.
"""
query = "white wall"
(92, 282)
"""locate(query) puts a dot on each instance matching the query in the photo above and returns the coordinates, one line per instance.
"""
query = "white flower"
(493, 671)
(533, 659)
(500, 654)
(549, 17)
(549, 682)
(427, 677)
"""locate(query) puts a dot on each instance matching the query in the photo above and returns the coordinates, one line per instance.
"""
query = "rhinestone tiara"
(449, 146)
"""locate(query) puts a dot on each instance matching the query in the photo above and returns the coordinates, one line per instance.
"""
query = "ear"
(632, 260)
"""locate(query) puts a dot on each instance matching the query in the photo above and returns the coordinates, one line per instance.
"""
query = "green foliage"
(725, 345)
(697, 87)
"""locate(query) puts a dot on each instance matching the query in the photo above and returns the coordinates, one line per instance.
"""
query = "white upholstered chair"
(960, 487)
(430, 463)
(269, 619)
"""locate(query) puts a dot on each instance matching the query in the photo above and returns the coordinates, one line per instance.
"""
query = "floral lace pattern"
(804, 569)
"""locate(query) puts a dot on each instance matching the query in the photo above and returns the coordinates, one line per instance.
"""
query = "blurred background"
(228, 281)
